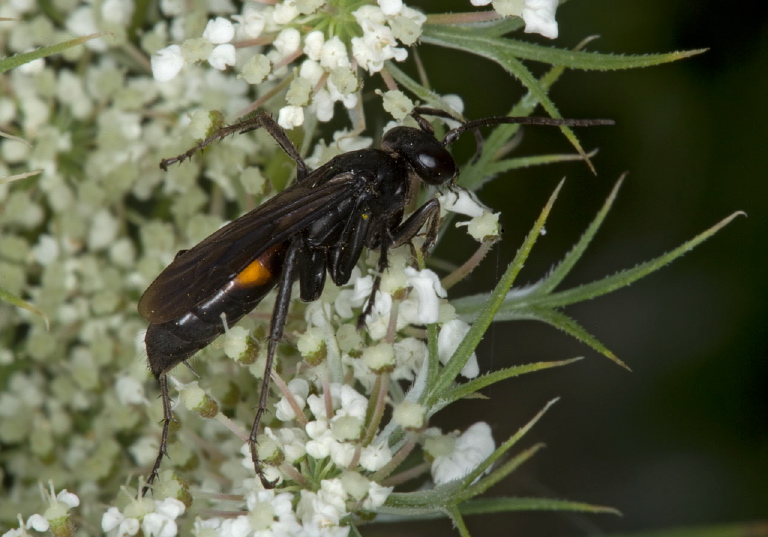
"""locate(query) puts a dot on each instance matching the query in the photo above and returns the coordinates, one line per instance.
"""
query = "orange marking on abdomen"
(254, 274)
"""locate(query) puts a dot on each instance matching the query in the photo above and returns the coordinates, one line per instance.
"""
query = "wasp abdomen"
(174, 341)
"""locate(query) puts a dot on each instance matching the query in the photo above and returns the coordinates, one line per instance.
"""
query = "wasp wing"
(196, 274)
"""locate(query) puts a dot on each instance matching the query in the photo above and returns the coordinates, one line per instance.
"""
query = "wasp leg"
(167, 419)
(285, 143)
(354, 237)
(386, 241)
(260, 120)
(313, 263)
(429, 214)
(279, 315)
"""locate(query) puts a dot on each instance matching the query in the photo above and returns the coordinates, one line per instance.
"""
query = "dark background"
(683, 440)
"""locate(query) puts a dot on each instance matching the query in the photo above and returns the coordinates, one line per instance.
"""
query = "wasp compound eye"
(424, 154)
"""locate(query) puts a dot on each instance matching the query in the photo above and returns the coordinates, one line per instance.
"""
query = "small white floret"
(472, 447)
(390, 7)
(539, 17)
(236, 342)
(313, 44)
(290, 117)
(485, 227)
(167, 63)
(284, 13)
(409, 415)
(451, 335)
(379, 357)
(222, 56)
(219, 31)
(129, 391)
(287, 41)
(284, 410)
(426, 285)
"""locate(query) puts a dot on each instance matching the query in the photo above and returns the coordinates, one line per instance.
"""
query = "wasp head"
(428, 158)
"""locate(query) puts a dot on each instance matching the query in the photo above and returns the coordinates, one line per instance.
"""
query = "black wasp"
(318, 225)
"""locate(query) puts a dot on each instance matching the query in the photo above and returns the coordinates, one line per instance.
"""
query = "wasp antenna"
(424, 125)
(416, 113)
(453, 134)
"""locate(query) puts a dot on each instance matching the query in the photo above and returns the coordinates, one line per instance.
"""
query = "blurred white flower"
(167, 63)
(219, 31)
(471, 448)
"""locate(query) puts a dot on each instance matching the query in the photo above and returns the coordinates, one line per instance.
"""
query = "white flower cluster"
(382, 28)
(484, 223)
(329, 70)
(335, 436)
(150, 517)
(56, 518)
(71, 230)
(335, 427)
(539, 15)
(317, 514)
(414, 297)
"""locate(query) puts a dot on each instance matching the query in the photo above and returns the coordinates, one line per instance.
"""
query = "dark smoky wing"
(197, 273)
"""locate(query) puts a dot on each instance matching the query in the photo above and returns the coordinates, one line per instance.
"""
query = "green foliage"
(20, 59)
